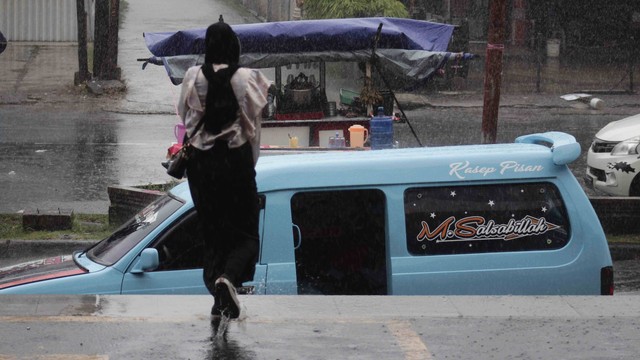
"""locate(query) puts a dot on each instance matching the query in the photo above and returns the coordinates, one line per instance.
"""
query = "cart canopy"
(411, 50)
(312, 36)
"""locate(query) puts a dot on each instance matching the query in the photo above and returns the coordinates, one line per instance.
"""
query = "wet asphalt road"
(66, 157)
(627, 279)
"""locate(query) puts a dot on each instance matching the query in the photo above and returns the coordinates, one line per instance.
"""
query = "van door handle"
(297, 228)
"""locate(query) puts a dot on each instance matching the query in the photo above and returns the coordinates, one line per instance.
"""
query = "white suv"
(613, 160)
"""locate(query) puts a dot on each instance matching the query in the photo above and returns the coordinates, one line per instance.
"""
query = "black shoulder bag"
(177, 166)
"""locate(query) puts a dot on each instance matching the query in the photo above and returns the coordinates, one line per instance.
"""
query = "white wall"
(43, 20)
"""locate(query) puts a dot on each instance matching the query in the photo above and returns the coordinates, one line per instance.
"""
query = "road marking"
(409, 341)
(91, 319)
(55, 357)
(175, 319)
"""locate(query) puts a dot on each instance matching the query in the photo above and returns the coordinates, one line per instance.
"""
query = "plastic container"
(332, 109)
(596, 103)
(347, 96)
(336, 141)
(179, 131)
(358, 135)
(293, 141)
(381, 131)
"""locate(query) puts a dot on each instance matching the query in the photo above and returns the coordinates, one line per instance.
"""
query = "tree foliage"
(339, 9)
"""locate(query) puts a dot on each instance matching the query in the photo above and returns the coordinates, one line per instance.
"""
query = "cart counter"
(310, 133)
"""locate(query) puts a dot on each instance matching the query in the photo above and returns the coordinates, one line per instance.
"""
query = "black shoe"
(215, 310)
(226, 293)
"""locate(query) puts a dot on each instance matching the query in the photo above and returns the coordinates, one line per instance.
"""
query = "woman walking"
(228, 100)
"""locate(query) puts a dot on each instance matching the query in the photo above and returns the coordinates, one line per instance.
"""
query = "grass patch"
(624, 239)
(84, 227)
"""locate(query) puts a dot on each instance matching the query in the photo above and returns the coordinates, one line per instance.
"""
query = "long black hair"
(222, 47)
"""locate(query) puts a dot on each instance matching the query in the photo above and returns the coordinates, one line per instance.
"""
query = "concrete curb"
(14, 249)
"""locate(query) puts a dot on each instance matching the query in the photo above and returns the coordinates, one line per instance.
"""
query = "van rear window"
(485, 218)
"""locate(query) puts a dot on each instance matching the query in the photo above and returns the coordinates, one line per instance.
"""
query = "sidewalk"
(33, 72)
(321, 327)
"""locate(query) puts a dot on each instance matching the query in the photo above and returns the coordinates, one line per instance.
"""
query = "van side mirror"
(148, 260)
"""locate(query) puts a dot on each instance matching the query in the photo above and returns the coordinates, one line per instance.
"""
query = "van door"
(276, 268)
(180, 255)
(180, 262)
(340, 242)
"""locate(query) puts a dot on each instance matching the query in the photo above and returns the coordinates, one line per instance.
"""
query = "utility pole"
(100, 38)
(493, 71)
(634, 42)
(83, 73)
(112, 42)
(105, 49)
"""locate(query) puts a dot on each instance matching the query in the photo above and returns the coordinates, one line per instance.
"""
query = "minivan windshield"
(108, 251)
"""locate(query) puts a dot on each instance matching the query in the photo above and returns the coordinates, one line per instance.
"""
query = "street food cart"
(406, 51)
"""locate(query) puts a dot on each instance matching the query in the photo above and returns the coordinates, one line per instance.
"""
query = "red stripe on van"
(56, 275)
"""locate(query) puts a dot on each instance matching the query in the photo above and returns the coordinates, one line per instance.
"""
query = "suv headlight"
(627, 147)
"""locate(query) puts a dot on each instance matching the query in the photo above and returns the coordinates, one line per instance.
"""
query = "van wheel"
(634, 189)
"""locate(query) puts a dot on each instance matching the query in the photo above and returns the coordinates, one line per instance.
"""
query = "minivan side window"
(181, 247)
(339, 241)
(485, 219)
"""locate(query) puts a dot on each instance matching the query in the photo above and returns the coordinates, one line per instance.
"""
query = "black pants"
(223, 188)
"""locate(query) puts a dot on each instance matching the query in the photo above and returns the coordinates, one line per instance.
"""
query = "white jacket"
(250, 87)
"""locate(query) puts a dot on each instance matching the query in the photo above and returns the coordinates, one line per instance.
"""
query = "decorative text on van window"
(464, 168)
(478, 228)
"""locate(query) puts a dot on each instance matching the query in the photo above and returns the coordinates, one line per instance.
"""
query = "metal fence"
(44, 20)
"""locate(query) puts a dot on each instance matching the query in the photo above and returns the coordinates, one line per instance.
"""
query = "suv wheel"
(634, 189)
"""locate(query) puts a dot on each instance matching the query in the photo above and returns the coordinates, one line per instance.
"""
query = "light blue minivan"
(466, 220)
